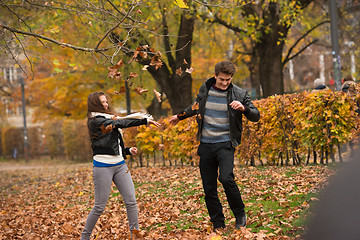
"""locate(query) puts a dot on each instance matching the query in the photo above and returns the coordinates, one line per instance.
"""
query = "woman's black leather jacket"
(105, 137)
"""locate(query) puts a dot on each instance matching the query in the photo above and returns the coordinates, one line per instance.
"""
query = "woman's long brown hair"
(94, 104)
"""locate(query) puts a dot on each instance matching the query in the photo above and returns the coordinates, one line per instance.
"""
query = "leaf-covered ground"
(52, 202)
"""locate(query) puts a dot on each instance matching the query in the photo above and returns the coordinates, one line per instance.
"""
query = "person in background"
(319, 85)
(347, 82)
(219, 108)
(109, 154)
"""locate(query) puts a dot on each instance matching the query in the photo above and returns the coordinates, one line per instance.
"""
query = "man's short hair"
(226, 67)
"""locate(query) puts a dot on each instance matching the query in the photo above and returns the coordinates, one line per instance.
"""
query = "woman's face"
(104, 101)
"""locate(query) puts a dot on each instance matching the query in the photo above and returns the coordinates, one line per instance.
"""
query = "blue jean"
(217, 159)
(103, 178)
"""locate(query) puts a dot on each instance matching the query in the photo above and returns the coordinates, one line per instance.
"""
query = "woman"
(109, 156)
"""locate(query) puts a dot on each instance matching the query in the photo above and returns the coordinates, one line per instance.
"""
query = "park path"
(14, 166)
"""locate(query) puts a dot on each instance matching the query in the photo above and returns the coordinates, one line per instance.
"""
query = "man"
(219, 107)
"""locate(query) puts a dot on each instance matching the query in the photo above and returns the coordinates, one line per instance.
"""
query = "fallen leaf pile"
(52, 202)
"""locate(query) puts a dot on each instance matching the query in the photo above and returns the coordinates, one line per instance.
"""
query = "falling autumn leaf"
(133, 75)
(106, 129)
(155, 61)
(140, 90)
(189, 70)
(121, 90)
(143, 54)
(118, 65)
(145, 67)
(195, 106)
(185, 62)
(157, 95)
(114, 117)
(179, 71)
(113, 70)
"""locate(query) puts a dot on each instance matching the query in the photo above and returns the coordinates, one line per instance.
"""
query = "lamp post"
(335, 44)
(127, 91)
(24, 118)
(128, 100)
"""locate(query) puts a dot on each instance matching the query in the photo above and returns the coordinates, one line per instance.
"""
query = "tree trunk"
(339, 150)
(253, 67)
(141, 160)
(322, 155)
(176, 86)
(270, 66)
(269, 50)
(332, 155)
(259, 154)
(155, 108)
(252, 161)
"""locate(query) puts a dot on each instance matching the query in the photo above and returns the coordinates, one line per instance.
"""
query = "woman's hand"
(174, 120)
(133, 150)
(154, 123)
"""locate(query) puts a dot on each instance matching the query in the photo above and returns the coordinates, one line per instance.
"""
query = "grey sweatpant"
(103, 177)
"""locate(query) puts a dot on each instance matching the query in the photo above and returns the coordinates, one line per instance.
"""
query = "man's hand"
(133, 150)
(174, 120)
(237, 106)
(154, 123)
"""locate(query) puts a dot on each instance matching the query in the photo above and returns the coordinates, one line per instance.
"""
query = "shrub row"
(291, 127)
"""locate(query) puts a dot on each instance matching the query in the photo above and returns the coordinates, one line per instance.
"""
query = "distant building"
(10, 94)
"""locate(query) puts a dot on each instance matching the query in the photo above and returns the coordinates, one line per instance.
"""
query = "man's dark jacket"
(234, 93)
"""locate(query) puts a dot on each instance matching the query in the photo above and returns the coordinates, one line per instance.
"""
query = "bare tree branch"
(125, 14)
(27, 57)
(287, 58)
(166, 39)
(53, 40)
(10, 10)
(224, 5)
(299, 52)
(114, 27)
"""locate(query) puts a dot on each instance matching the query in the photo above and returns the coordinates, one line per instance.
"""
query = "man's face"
(223, 80)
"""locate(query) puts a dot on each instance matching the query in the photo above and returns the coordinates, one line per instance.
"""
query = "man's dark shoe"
(219, 225)
(240, 221)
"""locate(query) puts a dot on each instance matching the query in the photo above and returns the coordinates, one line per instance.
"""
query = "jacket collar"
(212, 81)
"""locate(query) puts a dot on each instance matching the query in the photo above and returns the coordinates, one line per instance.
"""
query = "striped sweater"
(216, 120)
